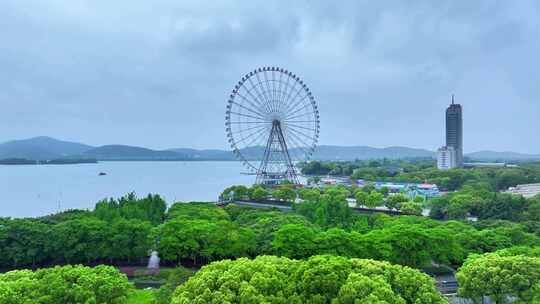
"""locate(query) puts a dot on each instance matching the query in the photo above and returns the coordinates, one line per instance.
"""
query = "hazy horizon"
(158, 74)
(228, 149)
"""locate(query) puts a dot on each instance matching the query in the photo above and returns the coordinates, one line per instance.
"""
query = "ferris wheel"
(272, 121)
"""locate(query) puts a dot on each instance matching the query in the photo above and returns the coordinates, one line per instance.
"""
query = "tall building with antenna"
(451, 155)
(454, 130)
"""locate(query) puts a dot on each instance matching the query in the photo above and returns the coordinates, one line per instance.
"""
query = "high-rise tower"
(454, 130)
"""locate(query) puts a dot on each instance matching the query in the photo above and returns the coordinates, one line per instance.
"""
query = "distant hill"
(40, 148)
(501, 156)
(206, 154)
(47, 148)
(321, 153)
(122, 152)
(365, 152)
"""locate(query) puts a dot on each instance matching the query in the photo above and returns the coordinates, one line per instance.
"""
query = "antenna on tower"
(452, 98)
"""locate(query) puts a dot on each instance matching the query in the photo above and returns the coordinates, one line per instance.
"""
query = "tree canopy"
(319, 279)
(500, 277)
(67, 284)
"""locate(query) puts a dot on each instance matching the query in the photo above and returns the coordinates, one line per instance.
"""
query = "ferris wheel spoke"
(287, 96)
(297, 126)
(261, 102)
(253, 102)
(298, 146)
(259, 132)
(294, 100)
(251, 128)
(289, 100)
(246, 108)
(289, 89)
(301, 140)
(272, 106)
(250, 116)
(267, 101)
(299, 109)
(304, 134)
(300, 121)
(247, 122)
(297, 103)
(274, 92)
(264, 83)
(257, 140)
(300, 116)
(274, 87)
(278, 93)
(284, 93)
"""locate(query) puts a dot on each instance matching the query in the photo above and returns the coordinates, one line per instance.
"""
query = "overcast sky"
(158, 73)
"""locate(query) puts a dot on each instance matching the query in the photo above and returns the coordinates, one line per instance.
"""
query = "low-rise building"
(527, 190)
(410, 189)
(446, 158)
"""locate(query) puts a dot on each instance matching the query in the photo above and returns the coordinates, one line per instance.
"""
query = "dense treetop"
(502, 275)
(322, 230)
(64, 285)
(319, 279)
(200, 233)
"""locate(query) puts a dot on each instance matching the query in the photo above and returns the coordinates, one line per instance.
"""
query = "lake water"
(28, 191)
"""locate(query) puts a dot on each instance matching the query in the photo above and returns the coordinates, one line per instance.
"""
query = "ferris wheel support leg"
(276, 166)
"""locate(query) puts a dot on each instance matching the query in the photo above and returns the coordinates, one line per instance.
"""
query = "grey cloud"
(156, 73)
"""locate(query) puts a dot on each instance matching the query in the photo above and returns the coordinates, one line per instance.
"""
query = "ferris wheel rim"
(264, 103)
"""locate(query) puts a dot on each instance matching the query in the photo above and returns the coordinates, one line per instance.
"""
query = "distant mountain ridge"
(41, 148)
(123, 152)
(365, 152)
(501, 156)
(47, 148)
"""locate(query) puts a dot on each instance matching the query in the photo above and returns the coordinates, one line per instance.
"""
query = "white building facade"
(446, 158)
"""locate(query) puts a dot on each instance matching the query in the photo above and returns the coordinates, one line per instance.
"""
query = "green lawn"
(141, 296)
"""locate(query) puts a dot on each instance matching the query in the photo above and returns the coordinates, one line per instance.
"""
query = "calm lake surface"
(28, 191)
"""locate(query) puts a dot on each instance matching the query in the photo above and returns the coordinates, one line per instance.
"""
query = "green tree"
(361, 198)
(202, 240)
(68, 284)
(130, 240)
(332, 210)
(199, 211)
(285, 194)
(419, 199)
(259, 194)
(294, 241)
(24, 242)
(151, 208)
(411, 208)
(320, 279)
(81, 241)
(237, 192)
(395, 201)
(336, 241)
(533, 209)
(363, 289)
(311, 195)
(374, 199)
(499, 277)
